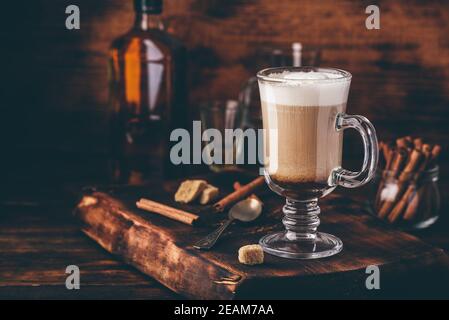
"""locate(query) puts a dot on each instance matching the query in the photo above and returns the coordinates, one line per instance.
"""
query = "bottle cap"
(148, 6)
(296, 54)
(296, 46)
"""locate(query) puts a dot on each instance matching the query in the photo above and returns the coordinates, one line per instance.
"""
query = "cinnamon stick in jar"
(434, 155)
(401, 205)
(394, 209)
(405, 142)
(412, 164)
(430, 154)
(398, 162)
(418, 143)
(400, 194)
(388, 154)
(412, 207)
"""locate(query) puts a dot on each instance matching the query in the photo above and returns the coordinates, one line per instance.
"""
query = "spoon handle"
(209, 241)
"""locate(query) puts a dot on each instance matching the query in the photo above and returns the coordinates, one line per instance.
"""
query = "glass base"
(279, 244)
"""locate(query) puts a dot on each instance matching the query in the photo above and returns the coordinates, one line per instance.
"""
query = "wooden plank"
(34, 254)
(162, 248)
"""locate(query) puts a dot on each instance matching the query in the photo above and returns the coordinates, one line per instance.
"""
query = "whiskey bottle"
(148, 96)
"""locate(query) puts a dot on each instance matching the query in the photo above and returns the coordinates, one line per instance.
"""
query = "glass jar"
(407, 200)
(219, 116)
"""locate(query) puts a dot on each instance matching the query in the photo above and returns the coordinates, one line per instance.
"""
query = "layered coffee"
(302, 145)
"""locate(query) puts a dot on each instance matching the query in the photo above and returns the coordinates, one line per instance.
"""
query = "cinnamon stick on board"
(239, 194)
(237, 186)
(167, 211)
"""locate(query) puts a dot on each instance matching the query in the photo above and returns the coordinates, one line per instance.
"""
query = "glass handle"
(350, 179)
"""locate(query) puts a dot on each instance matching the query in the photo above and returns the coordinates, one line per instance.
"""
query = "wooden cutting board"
(162, 248)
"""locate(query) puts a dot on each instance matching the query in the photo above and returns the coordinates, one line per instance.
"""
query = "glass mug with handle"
(303, 110)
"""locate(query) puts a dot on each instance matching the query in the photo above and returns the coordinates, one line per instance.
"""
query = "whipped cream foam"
(299, 88)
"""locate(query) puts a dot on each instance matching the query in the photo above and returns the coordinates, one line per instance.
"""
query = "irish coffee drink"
(304, 117)
(302, 146)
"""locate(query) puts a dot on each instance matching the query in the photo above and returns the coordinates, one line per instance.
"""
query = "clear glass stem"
(301, 219)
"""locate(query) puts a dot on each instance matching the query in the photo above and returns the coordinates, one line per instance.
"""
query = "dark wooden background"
(54, 110)
(54, 81)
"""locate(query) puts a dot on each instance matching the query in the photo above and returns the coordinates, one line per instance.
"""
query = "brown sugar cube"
(251, 254)
(87, 201)
(209, 194)
(189, 190)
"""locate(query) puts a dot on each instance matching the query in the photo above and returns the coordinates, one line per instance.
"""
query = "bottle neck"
(147, 21)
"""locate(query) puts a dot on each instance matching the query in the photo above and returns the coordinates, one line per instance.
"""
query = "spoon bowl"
(246, 210)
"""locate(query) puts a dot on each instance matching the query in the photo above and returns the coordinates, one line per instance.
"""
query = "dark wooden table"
(38, 243)
(39, 238)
